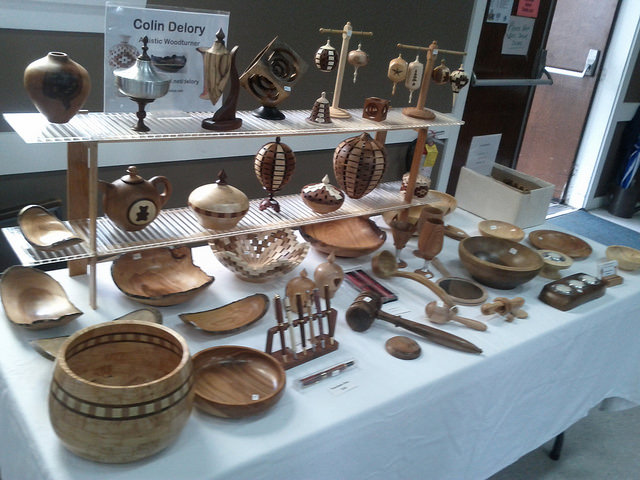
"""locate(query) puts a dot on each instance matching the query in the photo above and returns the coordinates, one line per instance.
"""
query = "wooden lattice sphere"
(274, 164)
(358, 165)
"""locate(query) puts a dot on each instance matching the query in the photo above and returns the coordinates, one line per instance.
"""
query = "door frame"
(608, 108)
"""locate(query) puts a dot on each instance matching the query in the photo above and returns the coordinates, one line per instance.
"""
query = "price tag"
(607, 268)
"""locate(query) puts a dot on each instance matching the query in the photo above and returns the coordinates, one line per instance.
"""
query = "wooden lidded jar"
(322, 197)
(219, 206)
(359, 164)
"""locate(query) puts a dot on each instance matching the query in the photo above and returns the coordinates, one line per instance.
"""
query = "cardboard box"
(506, 195)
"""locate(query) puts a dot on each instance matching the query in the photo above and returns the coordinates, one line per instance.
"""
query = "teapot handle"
(166, 186)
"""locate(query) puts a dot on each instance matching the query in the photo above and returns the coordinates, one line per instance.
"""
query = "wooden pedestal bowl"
(349, 237)
(499, 263)
(121, 391)
(159, 276)
(236, 382)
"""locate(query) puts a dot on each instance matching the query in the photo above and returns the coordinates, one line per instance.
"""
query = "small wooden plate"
(500, 229)
(350, 237)
(628, 258)
(43, 230)
(575, 247)
(235, 382)
(230, 317)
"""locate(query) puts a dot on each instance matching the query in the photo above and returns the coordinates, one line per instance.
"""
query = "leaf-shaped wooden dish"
(34, 300)
(575, 247)
(350, 237)
(230, 317)
(43, 230)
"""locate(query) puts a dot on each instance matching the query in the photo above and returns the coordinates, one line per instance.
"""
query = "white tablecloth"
(447, 414)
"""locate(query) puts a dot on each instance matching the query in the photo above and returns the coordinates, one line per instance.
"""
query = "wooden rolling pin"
(441, 315)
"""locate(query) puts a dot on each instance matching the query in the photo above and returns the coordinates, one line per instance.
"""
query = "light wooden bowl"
(570, 245)
(258, 257)
(34, 300)
(499, 263)
(159, 276)
(440, 200)
(499, 229)
(230, 317)
(628, 258)
(349, 237)
(121, 391)
(43, 230)
(235, 382)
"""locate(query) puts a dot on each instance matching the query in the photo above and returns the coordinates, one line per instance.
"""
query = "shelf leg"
(93, 216)
(77, 193)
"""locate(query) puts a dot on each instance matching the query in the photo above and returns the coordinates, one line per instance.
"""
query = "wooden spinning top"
(358, 165)
(397, 71)
(274, 164)
(358, 58)
(413, 79)
(322, 197)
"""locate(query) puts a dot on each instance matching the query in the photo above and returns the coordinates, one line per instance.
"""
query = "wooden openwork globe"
(358, 165)
(273, 165)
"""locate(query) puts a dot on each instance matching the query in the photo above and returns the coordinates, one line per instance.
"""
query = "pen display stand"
(309, 327)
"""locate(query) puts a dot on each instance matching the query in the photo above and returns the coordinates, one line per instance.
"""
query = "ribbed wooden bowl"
(258, 257)
(121, 391)
(235, 382)
(499, 263)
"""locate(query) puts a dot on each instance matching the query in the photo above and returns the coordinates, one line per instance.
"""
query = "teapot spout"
(105, 187)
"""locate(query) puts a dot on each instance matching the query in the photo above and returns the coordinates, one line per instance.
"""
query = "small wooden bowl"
(499, 229)
(230, 317)
(159, 276)
(499, 263)
(575, 247)
(258, 257)
(349, 237)
(628, 258)
(34, 300)
(236, 382)
(121, 391)
(43, 230)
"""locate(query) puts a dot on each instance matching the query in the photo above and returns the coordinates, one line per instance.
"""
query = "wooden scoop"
(384, 265)
(366, 308)
(442, 315)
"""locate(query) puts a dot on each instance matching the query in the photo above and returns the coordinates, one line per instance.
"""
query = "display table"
(446, 414)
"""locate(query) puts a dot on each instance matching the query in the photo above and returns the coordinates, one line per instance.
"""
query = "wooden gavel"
(442, 315)
(366, 308)
(509, 308)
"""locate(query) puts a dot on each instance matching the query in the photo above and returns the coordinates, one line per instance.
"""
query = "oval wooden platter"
(575, 247)
(43, 230)
(230, 317)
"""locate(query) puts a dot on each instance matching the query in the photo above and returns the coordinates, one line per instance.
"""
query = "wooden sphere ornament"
(397, 71)
(413, 80)
(358, 58)
(358, 165)
(441, 74)
(326, 58)
(274, 164)
(322, 197)
(459, 80)
(218, 206)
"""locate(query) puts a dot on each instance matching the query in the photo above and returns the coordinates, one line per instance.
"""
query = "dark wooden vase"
(358, 165)
(57, 86)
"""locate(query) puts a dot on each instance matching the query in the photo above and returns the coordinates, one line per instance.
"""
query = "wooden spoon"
(442, 315)
(384, 265)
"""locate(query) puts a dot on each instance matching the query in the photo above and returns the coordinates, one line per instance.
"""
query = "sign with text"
(518, 36)
(483, 152)
(528, 8)
(176, 42)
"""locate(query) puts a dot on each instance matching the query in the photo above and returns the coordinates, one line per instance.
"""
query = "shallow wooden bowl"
(230, 317)
(499, 263)
(235, 382)
(258, 257)
(34, 300)
(575, 247)
(121, 391)
(43, 230)
(499, 229)
(159, 276)
(628, 258)
(349, 237)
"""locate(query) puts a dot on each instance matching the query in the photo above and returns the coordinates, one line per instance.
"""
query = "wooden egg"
(218, 206)
(302, 285)
(358, 165)
(397, 71)
(274, 164)
(326, 58)
(322, 197)
(328, 274)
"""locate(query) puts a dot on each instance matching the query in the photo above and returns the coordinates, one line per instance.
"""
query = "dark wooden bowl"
(499, 263)
(236, 382)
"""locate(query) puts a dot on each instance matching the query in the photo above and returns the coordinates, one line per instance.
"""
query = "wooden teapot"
(132, 202)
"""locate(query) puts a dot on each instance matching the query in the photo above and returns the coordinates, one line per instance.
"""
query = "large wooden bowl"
(121, 391)
(628, 258)
(159, 276)
(34, 300)
(235, 382)
(350, 237)
(499, 263)
(258, 257)
(570, 245)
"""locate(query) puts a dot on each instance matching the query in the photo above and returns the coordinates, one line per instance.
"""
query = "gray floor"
(602, 446)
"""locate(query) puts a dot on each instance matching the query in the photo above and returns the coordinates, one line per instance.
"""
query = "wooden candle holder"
(313, 346)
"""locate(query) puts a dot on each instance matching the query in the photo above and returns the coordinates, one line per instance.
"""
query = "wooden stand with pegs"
(315, 345)
(346, 32)
(432, 52)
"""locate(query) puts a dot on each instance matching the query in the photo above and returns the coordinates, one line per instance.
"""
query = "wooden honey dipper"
(509, 308)
(441, 315)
